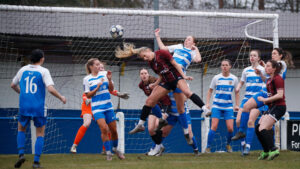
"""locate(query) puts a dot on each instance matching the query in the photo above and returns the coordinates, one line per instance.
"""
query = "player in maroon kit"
(277, 108)
(171, 77)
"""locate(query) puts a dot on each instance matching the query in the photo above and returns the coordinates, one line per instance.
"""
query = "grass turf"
(287, 159)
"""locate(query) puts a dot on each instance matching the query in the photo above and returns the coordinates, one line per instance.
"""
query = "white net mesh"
(70, 39)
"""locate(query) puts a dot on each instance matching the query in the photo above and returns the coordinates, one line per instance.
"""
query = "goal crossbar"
(137, 12)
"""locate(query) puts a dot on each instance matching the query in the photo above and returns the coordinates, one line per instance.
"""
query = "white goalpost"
(83, 33)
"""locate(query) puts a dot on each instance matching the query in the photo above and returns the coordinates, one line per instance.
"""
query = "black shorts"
(170, 85)
(276, 112)
(166, 108)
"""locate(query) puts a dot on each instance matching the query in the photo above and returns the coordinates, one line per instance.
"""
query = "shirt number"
(30, 85)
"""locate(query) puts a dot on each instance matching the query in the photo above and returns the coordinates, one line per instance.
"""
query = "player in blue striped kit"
(31, 83)
(254, 84)
(184, 55)
(256, 107)
(224, 85)
(97, 85)
(173, 118)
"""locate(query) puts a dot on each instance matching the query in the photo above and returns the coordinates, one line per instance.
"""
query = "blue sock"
(244, 122)
(183, 120)
(38, 148)
(115, 143)
(229, 135)
(157, 111)
(249, 136)
(107, 146)
(211, 135)
(195, 146)
(21, 142)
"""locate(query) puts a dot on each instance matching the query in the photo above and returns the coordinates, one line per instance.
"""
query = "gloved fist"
(88, 101)
(123, 95)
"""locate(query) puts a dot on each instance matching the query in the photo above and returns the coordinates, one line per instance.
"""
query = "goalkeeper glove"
(88, 101)
(123, 95)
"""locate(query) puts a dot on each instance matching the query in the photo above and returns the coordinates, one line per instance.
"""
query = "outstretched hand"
(156, 31)
(188, 78)
(109, 75)
(124, 95)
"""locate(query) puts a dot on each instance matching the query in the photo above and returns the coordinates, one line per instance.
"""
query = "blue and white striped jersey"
(223, 87)
(183, 56)
(101, 101)
(33, 81)
(254, 83)
(174, 108)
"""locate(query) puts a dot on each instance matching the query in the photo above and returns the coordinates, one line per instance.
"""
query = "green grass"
(287, 159)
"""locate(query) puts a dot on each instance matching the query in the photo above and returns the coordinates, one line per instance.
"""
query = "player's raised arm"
(159, 41)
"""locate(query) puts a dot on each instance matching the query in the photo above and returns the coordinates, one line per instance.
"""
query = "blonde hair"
(89, 63)
(128, 50)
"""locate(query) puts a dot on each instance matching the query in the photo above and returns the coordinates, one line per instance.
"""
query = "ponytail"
(128, 50)
(289, 60)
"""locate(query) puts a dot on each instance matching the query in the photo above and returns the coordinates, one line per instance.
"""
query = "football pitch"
(287, 159)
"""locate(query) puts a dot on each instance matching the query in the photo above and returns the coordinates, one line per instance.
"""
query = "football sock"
(145, 112)
(80, 133)
(249, 136)
(229, 135)
(197, 100)
(38, 148)
(244, 122)
(21, 142)
(211, 135)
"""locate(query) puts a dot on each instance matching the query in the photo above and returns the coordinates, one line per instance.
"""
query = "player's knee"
(150, 102)
(250, 123)
(87, 124)
(230, 129)
(151, 132)
(246, 108)
(214, 127)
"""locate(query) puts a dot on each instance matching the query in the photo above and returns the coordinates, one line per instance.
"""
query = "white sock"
(248, 145)
(243, 143)
(186, 131)
(141, 122)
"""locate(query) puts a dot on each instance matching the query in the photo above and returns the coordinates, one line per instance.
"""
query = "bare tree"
(253, 3)
(261, 4)
(291, 3)
(191, 4)
(221, 4)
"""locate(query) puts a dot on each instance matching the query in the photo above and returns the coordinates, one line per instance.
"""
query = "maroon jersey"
(274, 84)
(145, 87)
(161, 65)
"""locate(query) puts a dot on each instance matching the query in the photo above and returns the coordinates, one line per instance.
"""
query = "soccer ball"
(116, 31)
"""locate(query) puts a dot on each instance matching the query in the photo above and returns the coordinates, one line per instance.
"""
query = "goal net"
(70, 36)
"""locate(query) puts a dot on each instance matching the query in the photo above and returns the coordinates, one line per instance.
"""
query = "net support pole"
(283, 131)
(205, 125)
(121, 131)
(275, 33)
(33, 136)
(156, 22)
